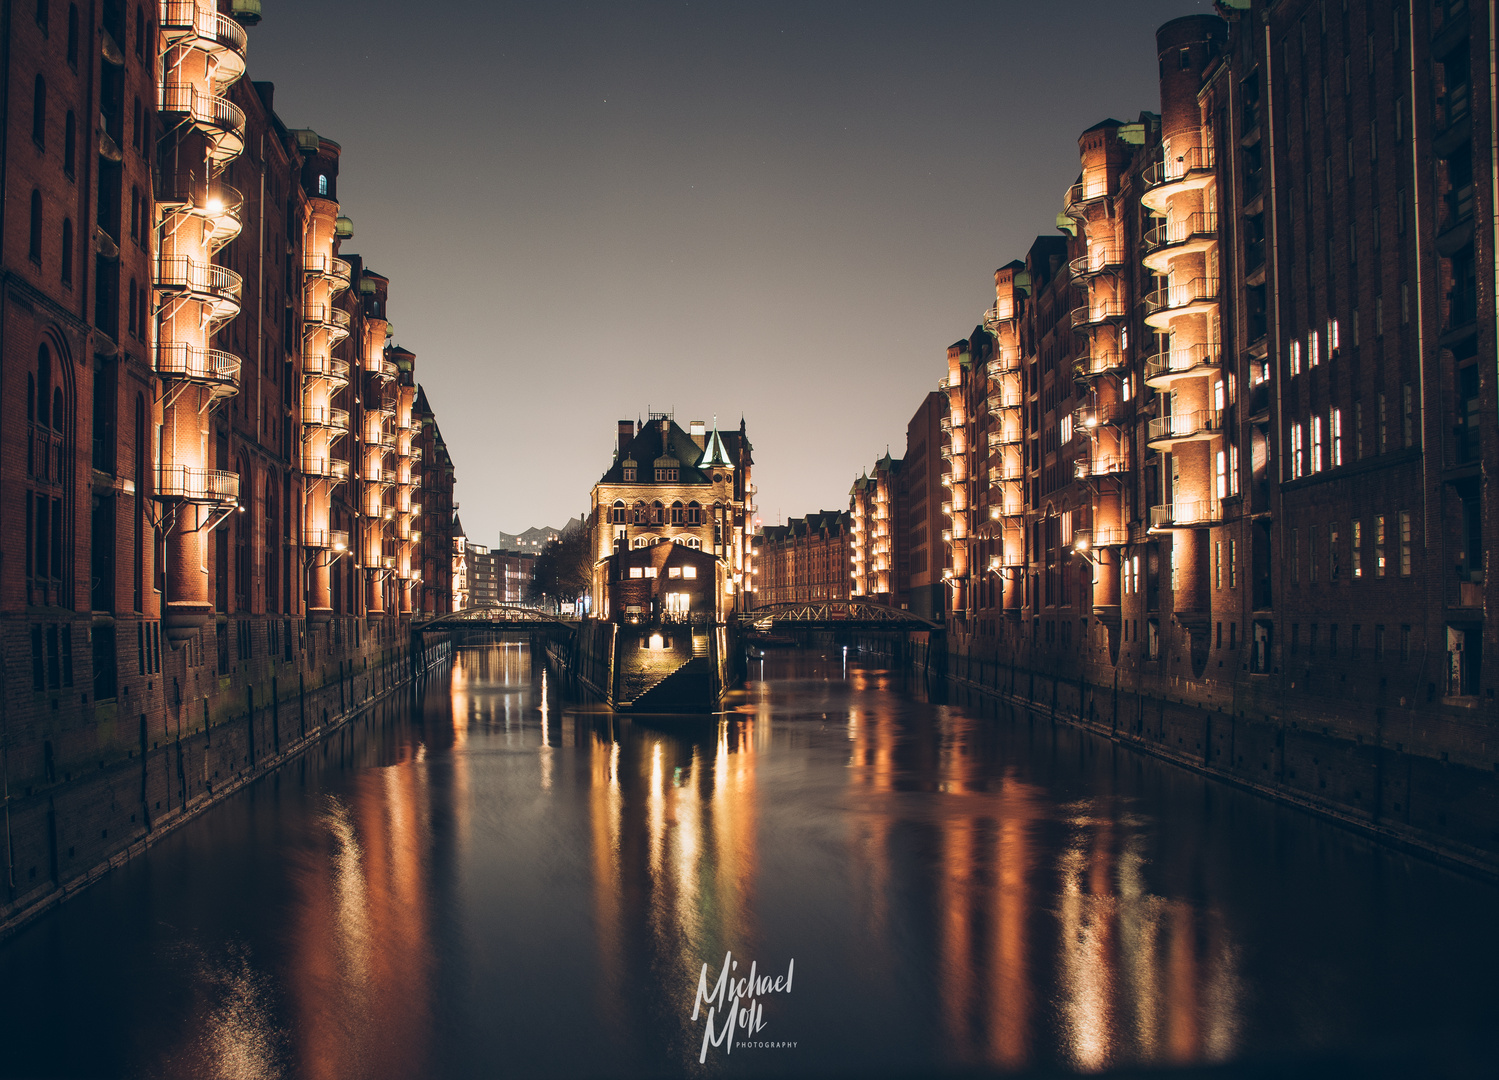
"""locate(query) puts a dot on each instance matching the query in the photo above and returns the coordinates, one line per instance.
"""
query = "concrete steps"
(688, 689)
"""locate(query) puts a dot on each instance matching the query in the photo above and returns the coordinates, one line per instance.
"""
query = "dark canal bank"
(495, 881)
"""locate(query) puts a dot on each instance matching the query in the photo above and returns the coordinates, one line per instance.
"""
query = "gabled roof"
(723, 449)
(715, 453)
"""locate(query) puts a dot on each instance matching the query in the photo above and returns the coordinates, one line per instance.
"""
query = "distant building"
(514, 571)
(483, 583)
(926, 490)
(533, 540)
(686, 487)
(809, 559)
(460, 566)
(876, 505)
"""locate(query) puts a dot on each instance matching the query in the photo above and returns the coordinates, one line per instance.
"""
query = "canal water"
(491, 880)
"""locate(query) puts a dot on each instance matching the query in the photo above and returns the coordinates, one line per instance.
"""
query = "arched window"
(640, 514)
(36, 227)
(67, 251)
(42, 13)
(617, 512)
(140, 30)
(656, 509)
(694, 514)
(676, 512)
(39, 113)
(322, 184)
(640, 541)
(69, 144)
(694, 543)
(73, 36)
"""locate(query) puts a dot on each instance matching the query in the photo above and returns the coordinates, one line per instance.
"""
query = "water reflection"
(475, 881)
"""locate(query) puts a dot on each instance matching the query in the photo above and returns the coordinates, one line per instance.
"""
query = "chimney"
(699, 432)
(626, 435)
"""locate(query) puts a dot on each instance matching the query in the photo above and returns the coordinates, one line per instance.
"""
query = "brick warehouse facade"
(210, 460)
(1218, 455)
(809, 559)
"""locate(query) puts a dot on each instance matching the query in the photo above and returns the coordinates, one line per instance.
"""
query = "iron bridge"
(833, 615)
(499, 617)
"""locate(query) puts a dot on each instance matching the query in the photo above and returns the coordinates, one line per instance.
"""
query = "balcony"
(333, 419)
(1009, 472)
(217, 287)
(318, 366)
(207, 367)
(1195, 297)
(331, 539)
(322, 466)
(326, 317)
(1108, 536)
(220, 206)
(1189, 514)
(1101, 466)
(1010, 436)
(211, 486)
(1100, 259)
(1097, 364)
(1087, 418)
(222, 121)
(1187, 235)
(186, 23)
(384, 369)
(1098, 312)
(1192, 169)
(336, 270)
(1001, 400)
(1190, 426)
(1006, 360)
(1189, 361)
(1081, 194)
(1000, 316)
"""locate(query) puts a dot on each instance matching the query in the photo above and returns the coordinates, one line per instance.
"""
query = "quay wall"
(1346, 744)
(91, 784)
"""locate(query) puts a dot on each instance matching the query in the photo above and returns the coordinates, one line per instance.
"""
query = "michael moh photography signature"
(735, 1012)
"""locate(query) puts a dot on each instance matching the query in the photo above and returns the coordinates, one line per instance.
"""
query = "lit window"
(1316, 444)
(689, 572)
(673, 571)
(650, 571)
(1405, 543)
(1379, 546)
(1295, 358)
(1296, 458)
(1358, 550)
(1222, 463)
(1313, 348)
(1337, 437)
(322, 184)
(637, 572)
(1233, 470)
(1332, 336)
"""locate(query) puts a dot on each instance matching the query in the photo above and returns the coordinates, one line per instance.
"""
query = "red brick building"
(808, 559)
(208, 454)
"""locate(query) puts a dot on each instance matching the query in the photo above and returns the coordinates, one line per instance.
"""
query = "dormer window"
(629, 473)
(667, 475)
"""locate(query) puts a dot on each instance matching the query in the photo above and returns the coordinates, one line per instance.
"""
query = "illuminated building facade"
(669, 485)
(187, 359)
(877, 529)
(809, 559)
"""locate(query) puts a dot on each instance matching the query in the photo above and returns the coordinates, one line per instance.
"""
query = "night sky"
(784, 211)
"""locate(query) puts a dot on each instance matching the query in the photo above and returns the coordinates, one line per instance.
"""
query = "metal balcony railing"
(1086, 418)
(1006, 359)
(1185, 514)
(1165, 367)
(1096, 364)
(184, 482)
(213, 367)
(326, 316)
(1001, 400)
(1182, 297)
(318, 366)
(1184, 426)
(1179, 167)
(1186, 229)
(217, 117)
(1079, 195)
(1099, 259)
(1009, 436)
(1008, 472)
(320, 416)
(1097, 312)
(334, 269)
(208, 283)
(325, 467)
(186, 22)
(1000, 314)
(1104, 465)
(332, 539)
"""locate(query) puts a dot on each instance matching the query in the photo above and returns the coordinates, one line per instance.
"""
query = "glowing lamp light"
(339, 546)
(1080, 545)
(994, 513)
(1092, 421)
(215, 205)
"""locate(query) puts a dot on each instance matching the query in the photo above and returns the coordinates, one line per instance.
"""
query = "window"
(676, 513)
(1218, 564)
(1313, 348)
(1358, 430)
(694, 514)
(67, 251)
(36, 227)
(1222, 469)
(689, 572)
(1379, 546)
(617, 513)
(69, 144)
(1358, 550)
(1335, 422)
(1332, 553)
(650, 571)
(1316, 444)
(1233, 569)
(629, 474)
(657, 512)
(1384, 431)
(73, 36)
(1294, 360)
(1297, 462)
(1405, 543)
(39, 114)
(1407, 415)
(1233, 469)
(322, 184)
(637, 571)
(674, 571)
(1332, 336)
